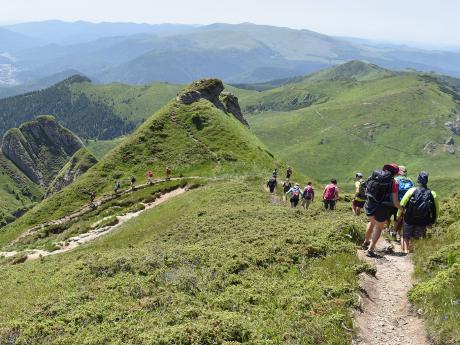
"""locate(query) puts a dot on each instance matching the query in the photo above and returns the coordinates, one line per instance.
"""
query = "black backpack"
(419, 209)
(378, 186)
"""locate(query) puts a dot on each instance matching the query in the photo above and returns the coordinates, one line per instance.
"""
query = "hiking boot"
(365, 245)
(371, 254)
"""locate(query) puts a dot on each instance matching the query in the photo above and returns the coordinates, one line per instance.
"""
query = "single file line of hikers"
(388, 193)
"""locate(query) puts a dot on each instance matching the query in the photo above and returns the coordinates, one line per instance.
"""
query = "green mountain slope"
(91, 111)
(194, 135)
(334, 127)
(17, 192)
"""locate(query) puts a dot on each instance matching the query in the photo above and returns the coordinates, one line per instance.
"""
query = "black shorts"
(414, 231)
(394, 213)
(359, 204)
(381, 213)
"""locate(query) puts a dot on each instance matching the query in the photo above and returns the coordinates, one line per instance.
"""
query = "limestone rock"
(40, 148)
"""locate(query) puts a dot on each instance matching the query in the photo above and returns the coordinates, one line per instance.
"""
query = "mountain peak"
(354, 69)
(75, 79)
(212, 90)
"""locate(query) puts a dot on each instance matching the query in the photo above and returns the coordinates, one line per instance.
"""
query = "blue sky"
(428, 21)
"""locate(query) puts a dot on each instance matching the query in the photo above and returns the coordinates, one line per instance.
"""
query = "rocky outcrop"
(212, 90)
(454, 126)
(40, 148)
(77, 166)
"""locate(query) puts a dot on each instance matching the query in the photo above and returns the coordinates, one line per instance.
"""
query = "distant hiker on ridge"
(275, 173)
(421, 209)
(308, 195)
(150, 177)
(271, 184)
(295, 193)
(286, 187)
(331, 195)
(133, 182)
(288, 172)
(168, 173)
(382, 195)
(116, 188)
(360, 194)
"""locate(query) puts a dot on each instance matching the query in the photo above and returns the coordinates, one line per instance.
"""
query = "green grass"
(17, 191)
(359, 126)
(437, 261)
(99, 148)
(220, 264)
(131, 103)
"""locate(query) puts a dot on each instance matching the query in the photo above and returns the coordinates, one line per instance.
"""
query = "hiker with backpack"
(288, 172)
(360, 194)
(382, 195)
(420, 210)
(295, 193)
(271, 184)
(308, 195)
(168, 173)
(150, 177)
(331, 195)
(287, 185)
(405, 184)
(116, 187)
(275, 173)
(133, 181)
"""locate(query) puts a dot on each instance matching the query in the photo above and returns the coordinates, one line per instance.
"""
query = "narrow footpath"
(77, 241)
(386, 316)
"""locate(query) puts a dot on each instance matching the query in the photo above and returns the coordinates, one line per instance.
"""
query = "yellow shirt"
(357, 186)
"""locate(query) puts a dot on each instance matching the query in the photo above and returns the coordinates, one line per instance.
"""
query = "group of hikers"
(388, 193)
(132, 182)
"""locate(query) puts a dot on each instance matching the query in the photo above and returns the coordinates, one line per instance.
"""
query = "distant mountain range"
(241, 53)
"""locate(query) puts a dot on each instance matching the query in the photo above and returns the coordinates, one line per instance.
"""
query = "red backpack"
(329, 193)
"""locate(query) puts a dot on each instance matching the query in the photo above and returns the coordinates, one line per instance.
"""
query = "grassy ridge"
(200, 269)
(194, 140)
(437, 261)
(359, 125)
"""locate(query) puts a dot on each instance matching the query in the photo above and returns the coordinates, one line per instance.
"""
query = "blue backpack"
(405, 184)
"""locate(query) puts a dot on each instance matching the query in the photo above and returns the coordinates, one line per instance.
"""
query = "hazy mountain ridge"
(239, 53)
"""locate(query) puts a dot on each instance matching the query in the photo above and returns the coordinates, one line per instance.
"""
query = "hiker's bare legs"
(369, 229)
(376, 234)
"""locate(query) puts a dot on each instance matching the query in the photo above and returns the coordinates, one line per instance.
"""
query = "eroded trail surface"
(387, 317)
(77, 241)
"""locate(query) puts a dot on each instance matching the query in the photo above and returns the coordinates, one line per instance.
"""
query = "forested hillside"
(91, 111)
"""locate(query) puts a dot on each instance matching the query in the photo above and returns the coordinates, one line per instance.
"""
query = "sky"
(425, 21)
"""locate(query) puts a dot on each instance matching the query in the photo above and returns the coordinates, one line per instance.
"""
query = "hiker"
(116, 187)
(150, 177)
(382, 195)
(92, 197)
(405, 184)
(308, 195)
(360, 194)
(133, 181)
(286, 187)
(331, 195)
(271, 184)
(288, 172)
(168, 173)
(295, 194)
(275, 173)
(420, 210)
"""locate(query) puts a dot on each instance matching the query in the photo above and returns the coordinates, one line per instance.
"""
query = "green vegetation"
(99, 148)
(437, 262)
(194, 272)
(194, 140)
(91, 111)
(17, 192)
(333, 124)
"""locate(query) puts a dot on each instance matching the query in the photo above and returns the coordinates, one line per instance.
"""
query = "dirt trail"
(98, 202)
(387, 317)
(77, 241)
